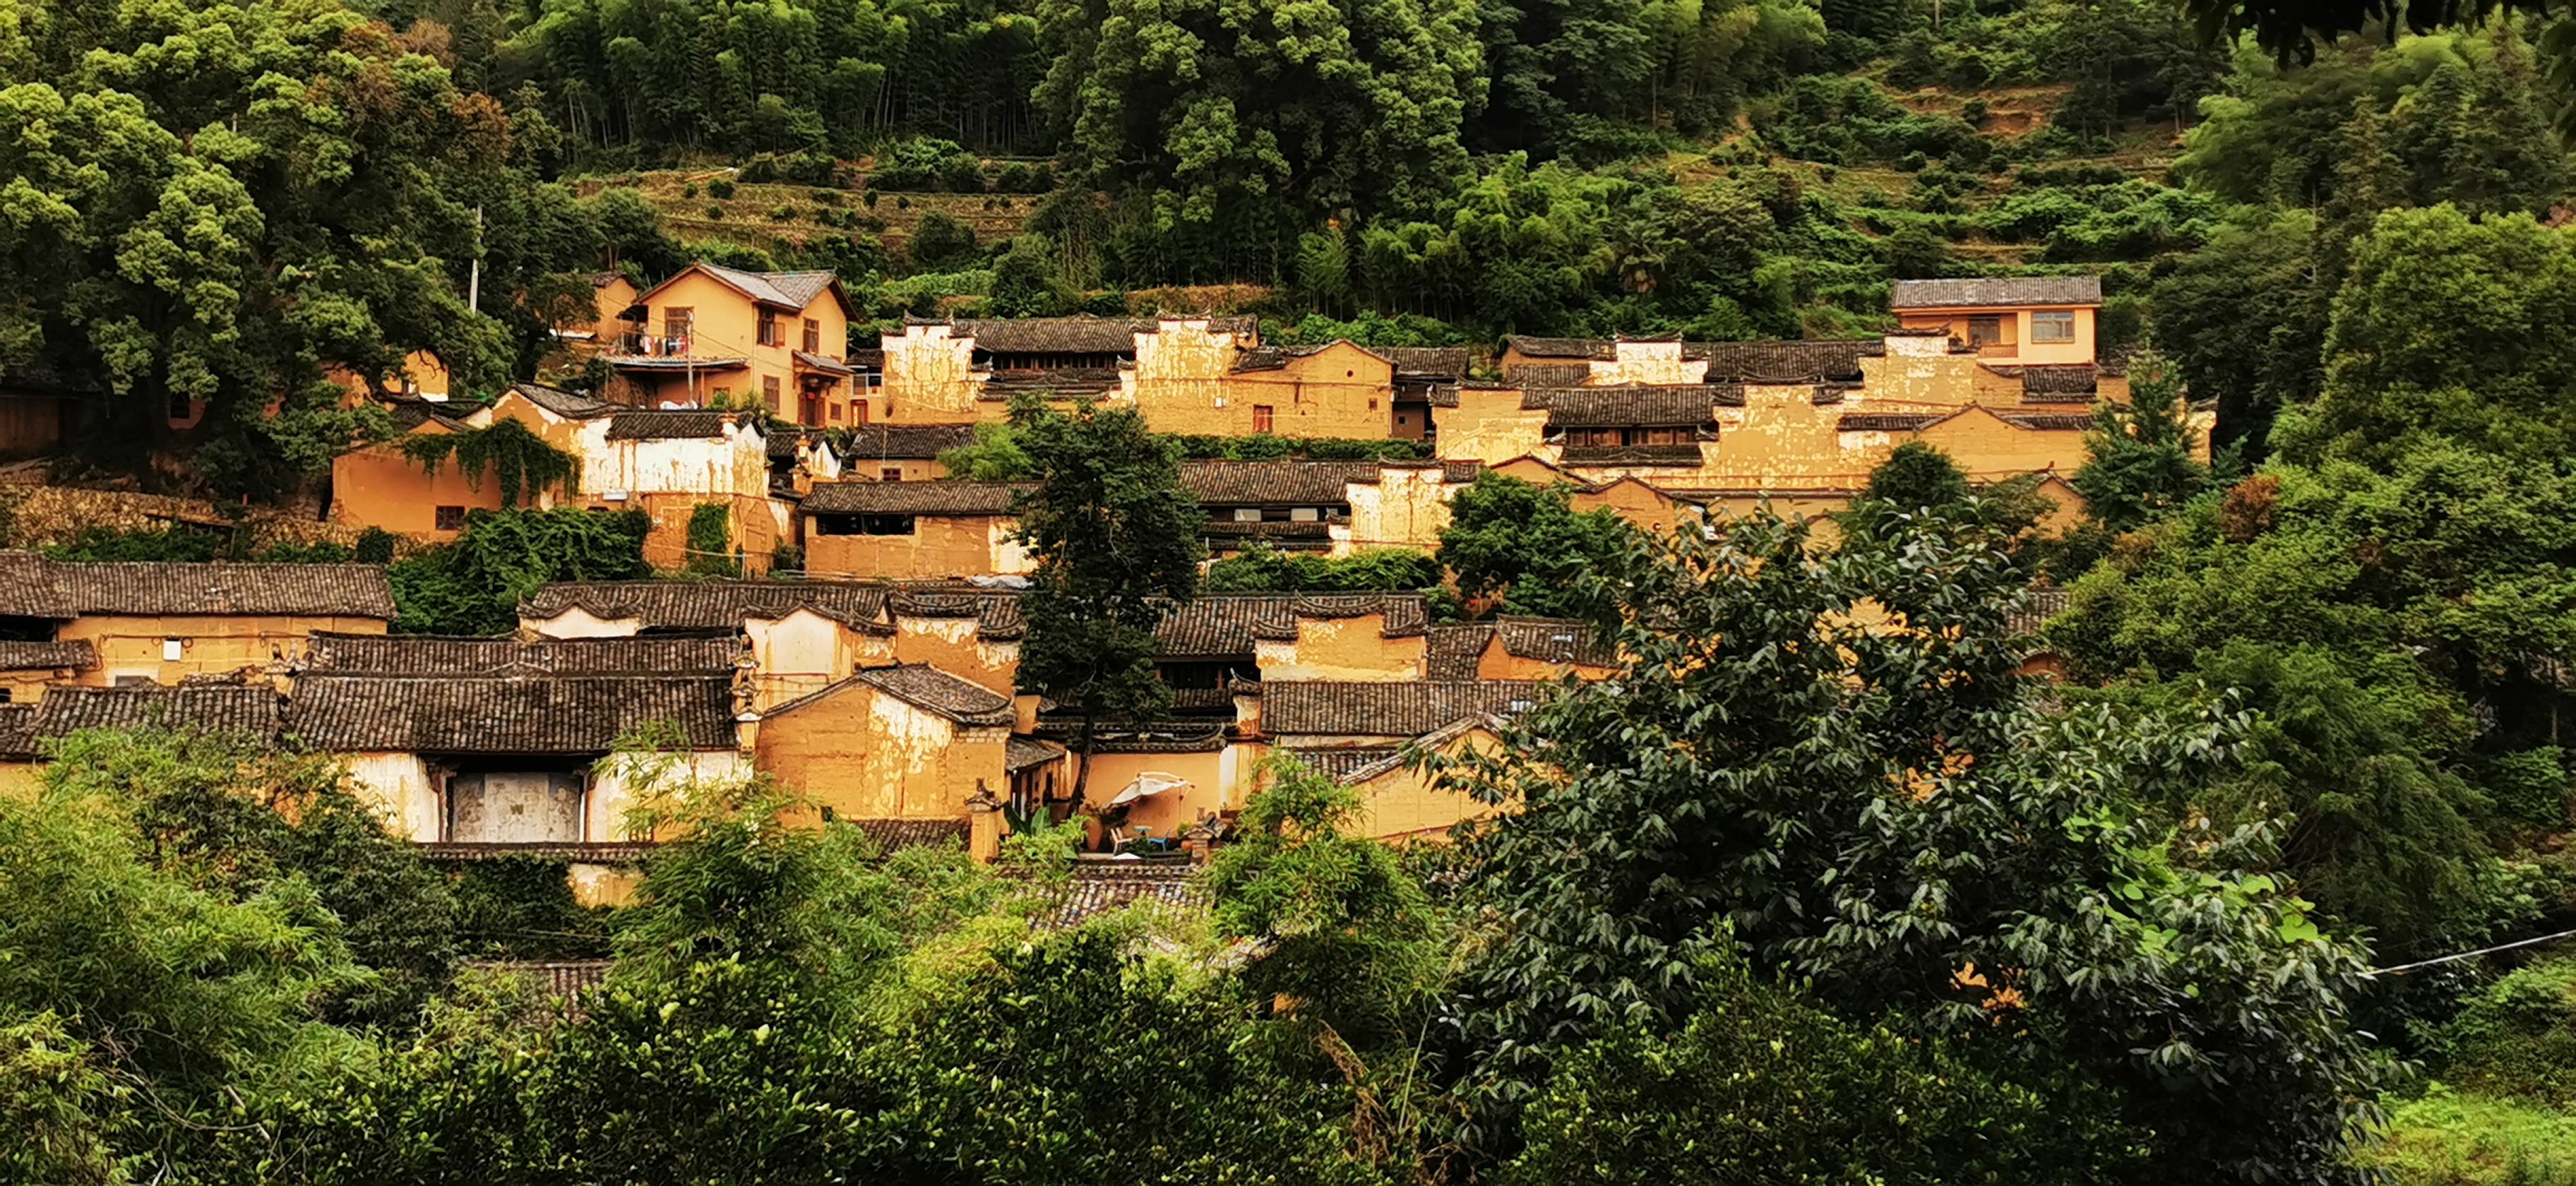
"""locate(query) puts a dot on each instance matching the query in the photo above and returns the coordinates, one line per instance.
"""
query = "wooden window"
(1986, 329)
(678, 325)
(769, 335)
(451, 518)
(769, 392)
(891, 473)
(1261, 418)
(836, 413)
(2056, 325)
(813, 336)
(858, 411)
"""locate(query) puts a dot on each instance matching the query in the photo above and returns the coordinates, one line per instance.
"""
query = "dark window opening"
(1986, 330)
(451, 518)
(863, 524)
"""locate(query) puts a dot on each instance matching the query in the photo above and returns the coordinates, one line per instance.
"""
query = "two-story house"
(714, 334)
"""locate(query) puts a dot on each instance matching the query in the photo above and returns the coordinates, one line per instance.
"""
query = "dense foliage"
(474, 585)
(1525, 547)
(1114, 541)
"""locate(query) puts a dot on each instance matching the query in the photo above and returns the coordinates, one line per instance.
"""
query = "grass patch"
(2448, 1138)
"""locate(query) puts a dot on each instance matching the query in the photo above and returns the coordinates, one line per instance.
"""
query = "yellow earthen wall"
(379, 487)
(132, 646)
(950, 645)
(930, 377)
(977, 545)
(1404, 508)
(1213, 786)
(726, 324)
(1402, 804)
(1342, 649)
(1340, 391)
(1988, 448)
(2018, 348)
(1648, 362)
(868, 755)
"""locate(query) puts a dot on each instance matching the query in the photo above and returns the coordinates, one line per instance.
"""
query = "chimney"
(983, 825)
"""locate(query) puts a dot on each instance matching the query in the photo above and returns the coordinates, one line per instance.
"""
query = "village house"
(2026, 321)
(248, 710)
(894, 742)
(155, 622)
(378, 485)
(1331, 507)
(963, 630)
(1728, 425)
(663, 462)
(1184, 374)
(911, 530)
(793, 637)
(1358, 732)
(716, 336)
(902, 452)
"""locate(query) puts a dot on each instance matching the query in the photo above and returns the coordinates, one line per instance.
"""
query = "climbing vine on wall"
(523, 462)
(711, 542)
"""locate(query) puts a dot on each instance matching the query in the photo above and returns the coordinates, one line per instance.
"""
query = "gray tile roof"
(244, 710)
(1098, 887)
(1438, 362)
(576, 715)
(905, 442)
(1887, 421)
(934, 691)
(415, 654)
(78, 655)
(2000, 292)
(1021, 753)
(1681, 405)
(1555, 640)
(786, 290)
(1299, 483)
(564, 403)
(1222, 625)
(668, 424)
(1075, 335)
(158, 588)
(944, 497)
(713, 605)
(1374, 709)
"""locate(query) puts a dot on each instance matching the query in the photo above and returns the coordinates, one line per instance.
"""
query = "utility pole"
(474, 278)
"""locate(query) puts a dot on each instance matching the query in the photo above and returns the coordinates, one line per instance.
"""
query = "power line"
(2444, 959)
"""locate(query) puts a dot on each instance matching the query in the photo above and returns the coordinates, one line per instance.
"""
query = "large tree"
(1115, 539)
(214, 202)
(1239, 126)
(1823, 757)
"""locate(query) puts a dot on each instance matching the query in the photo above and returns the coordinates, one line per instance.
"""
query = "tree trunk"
(1082, 765)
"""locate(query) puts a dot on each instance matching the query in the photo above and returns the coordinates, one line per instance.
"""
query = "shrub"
(721, 189)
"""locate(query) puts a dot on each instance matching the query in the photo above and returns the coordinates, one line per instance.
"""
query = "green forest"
(1807, 904)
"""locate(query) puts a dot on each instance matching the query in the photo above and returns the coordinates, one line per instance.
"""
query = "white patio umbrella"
(1147, 785)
